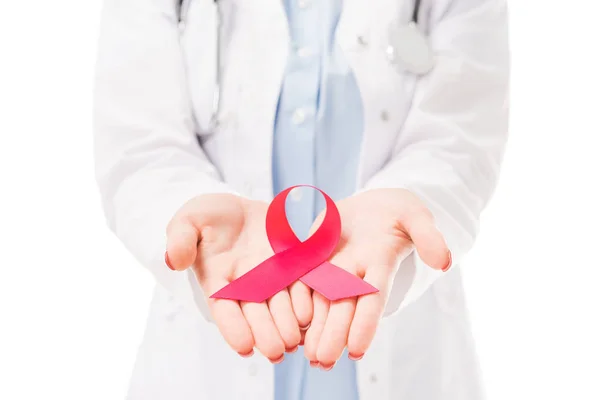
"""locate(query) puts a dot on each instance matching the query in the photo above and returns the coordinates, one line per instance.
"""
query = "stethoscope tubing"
(216, 101)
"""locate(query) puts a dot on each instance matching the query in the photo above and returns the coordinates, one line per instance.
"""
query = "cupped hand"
(221, 237)
(380, 228)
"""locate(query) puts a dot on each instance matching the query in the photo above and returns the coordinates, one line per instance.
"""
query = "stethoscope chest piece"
(409, 49)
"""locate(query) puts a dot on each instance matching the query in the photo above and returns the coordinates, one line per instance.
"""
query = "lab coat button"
(373, 378)
(360, 39)
(252, 370)
(385, 116)
(299, 116)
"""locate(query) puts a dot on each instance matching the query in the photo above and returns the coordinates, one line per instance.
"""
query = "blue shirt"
(317, 138)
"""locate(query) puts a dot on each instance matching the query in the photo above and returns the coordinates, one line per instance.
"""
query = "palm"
(369, 240)
(375, 239)
(225, 236)
(233, 245)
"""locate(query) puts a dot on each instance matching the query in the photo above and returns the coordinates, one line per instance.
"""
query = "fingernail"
(301, 342)
(355, 357)
(447, 267)
(168, 262)
(304, 328)
(327, 367)
(250, 354)
(278, 360)
(314, 364)
(292, 350)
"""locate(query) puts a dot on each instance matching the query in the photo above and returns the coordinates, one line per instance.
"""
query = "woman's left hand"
(380, 228)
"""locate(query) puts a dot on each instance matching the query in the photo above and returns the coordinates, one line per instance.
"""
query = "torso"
(423, 352)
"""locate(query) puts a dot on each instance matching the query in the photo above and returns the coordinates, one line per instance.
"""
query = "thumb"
(182, 244)
(185, 230)
(427, 239)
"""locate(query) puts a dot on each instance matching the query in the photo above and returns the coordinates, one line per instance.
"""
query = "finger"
(335, 332)
(313, 334)
(182, 244)
(428, 240)
(282, 313)
(302, 303)
(231, 322)
(266, 336)
(369, 310)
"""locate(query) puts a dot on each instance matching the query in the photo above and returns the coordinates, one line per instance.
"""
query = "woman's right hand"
(223, 236)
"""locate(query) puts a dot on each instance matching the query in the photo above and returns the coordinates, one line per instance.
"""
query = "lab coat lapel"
(260, 46)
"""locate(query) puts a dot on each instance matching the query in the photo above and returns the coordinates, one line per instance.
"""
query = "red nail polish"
(277, 360)
(326, 367)
(447, 267)
(314, 364)
(168, 262)
(304, 328)
(301, 342)
(292, 349)
(250, 354)
(355, 357)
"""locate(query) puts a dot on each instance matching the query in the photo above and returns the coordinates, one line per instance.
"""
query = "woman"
(308, 95)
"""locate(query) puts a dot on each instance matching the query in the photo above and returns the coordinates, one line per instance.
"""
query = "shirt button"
(303, 52)
(299, 116)
(303, 3)
(385, 115)
(296, 194)
(373, 378)
(252, 370)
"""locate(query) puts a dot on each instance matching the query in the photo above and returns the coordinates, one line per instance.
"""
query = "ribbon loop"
(296, 260)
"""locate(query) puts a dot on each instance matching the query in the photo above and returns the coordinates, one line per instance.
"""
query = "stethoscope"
(408, 49)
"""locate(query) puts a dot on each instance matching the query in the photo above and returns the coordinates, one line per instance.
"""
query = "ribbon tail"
(335, 283)
(258, 284)
(268, 278)
(240, 291)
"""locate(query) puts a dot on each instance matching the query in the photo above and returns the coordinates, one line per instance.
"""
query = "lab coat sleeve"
(147, 158)
(451, 146)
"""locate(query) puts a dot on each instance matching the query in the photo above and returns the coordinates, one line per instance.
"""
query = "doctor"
(396, 108)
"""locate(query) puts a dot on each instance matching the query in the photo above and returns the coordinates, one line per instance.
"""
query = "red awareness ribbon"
(295, 260)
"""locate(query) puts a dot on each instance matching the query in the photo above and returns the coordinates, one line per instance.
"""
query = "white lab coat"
(441, 136)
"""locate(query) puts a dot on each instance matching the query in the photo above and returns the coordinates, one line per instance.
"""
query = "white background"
(73, 302)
